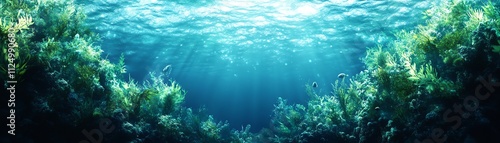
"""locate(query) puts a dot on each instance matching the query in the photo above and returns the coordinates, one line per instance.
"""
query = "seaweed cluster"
(68, 83)
(67, 86)
(407, 83)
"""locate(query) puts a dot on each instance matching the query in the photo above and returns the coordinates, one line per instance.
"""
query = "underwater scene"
(250, 71)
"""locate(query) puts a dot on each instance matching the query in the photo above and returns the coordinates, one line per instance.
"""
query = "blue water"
(237, 57)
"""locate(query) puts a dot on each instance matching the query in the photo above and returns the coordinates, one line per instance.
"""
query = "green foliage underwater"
(435, 83)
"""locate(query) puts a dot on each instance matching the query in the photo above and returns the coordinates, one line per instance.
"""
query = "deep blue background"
(237, 57)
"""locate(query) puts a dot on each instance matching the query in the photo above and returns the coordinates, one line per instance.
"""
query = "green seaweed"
(424, 41)
(451, 41)
(496, 48)
(458, 14)
(401, 86)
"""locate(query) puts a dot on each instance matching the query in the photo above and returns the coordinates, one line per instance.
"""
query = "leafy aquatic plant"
(22, 52)
(496, 48)
(211, 131)
(242, 136)
(286, 120)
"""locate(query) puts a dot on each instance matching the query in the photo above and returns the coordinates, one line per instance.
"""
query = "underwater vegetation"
(67, 85)
(66, 81)
(407, 85)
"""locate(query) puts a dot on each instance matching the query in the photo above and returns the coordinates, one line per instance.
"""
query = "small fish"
(167, 70)
(314, 84)
(342, 75)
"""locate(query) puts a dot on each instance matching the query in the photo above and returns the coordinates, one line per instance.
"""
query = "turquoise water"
(81, 73)
(237, 57)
